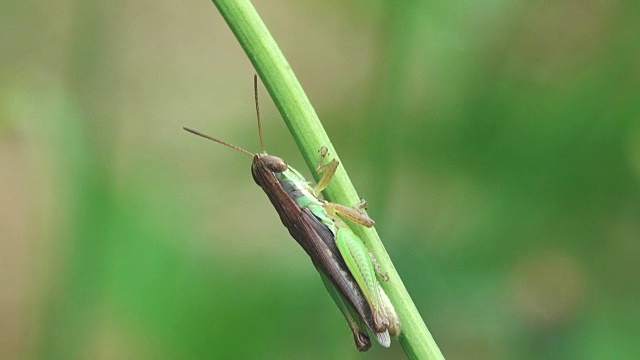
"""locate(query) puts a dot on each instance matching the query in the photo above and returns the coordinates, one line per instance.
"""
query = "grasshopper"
(347, 268)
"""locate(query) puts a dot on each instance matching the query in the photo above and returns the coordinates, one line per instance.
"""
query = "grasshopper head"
(274, 163)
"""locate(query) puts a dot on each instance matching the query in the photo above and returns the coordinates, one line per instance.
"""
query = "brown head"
(271, 162)
(264, 167)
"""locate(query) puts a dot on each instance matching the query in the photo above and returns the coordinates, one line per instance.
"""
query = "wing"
(353, 319)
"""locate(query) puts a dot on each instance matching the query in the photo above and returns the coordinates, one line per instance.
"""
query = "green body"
(356, 256)
(299, 189)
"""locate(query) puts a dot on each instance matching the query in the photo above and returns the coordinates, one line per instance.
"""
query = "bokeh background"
(497, 142)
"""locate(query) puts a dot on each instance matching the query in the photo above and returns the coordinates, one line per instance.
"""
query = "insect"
(347, 268)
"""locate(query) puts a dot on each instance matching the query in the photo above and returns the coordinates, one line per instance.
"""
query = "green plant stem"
(306, 129)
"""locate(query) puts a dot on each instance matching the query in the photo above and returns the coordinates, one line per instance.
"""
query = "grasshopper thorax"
(271, 162)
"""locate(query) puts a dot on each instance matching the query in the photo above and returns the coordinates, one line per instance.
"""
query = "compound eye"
(274, 163)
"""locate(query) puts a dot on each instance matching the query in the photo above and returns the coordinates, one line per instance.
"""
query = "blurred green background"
(497, 142)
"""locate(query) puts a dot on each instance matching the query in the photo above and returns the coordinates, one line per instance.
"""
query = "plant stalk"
(310, 136)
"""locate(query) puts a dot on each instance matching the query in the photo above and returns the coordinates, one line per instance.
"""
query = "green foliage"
(497, 144)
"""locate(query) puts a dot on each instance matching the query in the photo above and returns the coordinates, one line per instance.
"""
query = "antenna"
(219, 141)
(255, 92)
